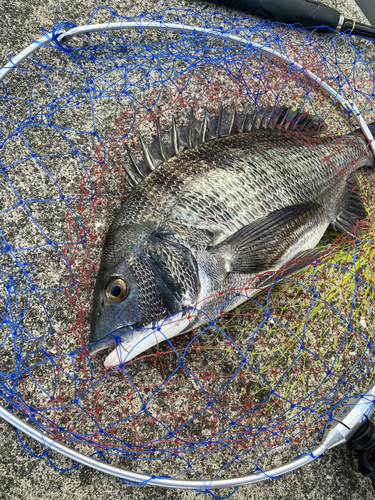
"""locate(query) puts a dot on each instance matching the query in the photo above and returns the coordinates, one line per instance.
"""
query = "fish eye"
(116, 290)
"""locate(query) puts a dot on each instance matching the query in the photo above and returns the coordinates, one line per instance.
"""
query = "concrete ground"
(331, 477)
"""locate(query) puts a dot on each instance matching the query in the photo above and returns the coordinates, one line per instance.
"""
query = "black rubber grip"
(358, 29)
(308, 13)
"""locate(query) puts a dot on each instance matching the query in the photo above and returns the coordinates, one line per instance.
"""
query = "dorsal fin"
(249, 122)
(174, 137)
(225, 125)
(238, 123)
(212, 127)
(134, 175)
(294, 120)
(146, 156)
(160, 140)
(169, 144)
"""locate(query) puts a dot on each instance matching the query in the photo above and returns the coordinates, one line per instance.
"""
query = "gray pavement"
(331, 477)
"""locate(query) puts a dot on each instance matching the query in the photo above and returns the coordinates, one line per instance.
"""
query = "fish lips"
(110, 340)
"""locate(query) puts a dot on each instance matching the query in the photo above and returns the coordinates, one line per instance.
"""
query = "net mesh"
(255, 387)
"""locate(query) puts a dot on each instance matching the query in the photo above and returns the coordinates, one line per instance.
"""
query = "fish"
(224, 201)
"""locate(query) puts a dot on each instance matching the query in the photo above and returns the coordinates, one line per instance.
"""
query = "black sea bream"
(215, 204)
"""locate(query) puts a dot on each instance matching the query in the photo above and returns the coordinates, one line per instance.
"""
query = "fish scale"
(209, 215)
(214, 179)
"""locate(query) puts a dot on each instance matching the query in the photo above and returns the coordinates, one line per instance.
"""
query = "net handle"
(65, 36)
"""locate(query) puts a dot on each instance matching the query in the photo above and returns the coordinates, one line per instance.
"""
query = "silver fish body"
(212, 217)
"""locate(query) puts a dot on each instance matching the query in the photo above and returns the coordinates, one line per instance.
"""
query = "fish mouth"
(110, 340)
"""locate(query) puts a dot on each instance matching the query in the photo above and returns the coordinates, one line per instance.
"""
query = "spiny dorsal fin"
(238, 123)
(191, 129)
(204, 128)
(249, 121)
(212, 127)
(174, 137)
(294, 120)
(169, 144)
(160, 140)
(225, 123)
(138, 166)
(146, 157)
(134, 176)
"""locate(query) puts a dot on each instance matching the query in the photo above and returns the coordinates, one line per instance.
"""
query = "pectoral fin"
(260, 246)
(300, 262)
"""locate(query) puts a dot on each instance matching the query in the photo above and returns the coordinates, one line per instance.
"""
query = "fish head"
(138, 284)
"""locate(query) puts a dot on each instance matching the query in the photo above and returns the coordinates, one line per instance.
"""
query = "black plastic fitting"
(307, 13)
(363, 443)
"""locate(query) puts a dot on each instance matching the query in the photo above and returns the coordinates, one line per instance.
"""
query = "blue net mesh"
(255, 387)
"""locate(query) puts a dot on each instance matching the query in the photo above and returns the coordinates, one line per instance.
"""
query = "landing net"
(256, 387)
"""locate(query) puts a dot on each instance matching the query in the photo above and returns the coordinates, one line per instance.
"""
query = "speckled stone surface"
(22, 476)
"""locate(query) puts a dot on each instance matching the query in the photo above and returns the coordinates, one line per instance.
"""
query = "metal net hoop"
(247, 397)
